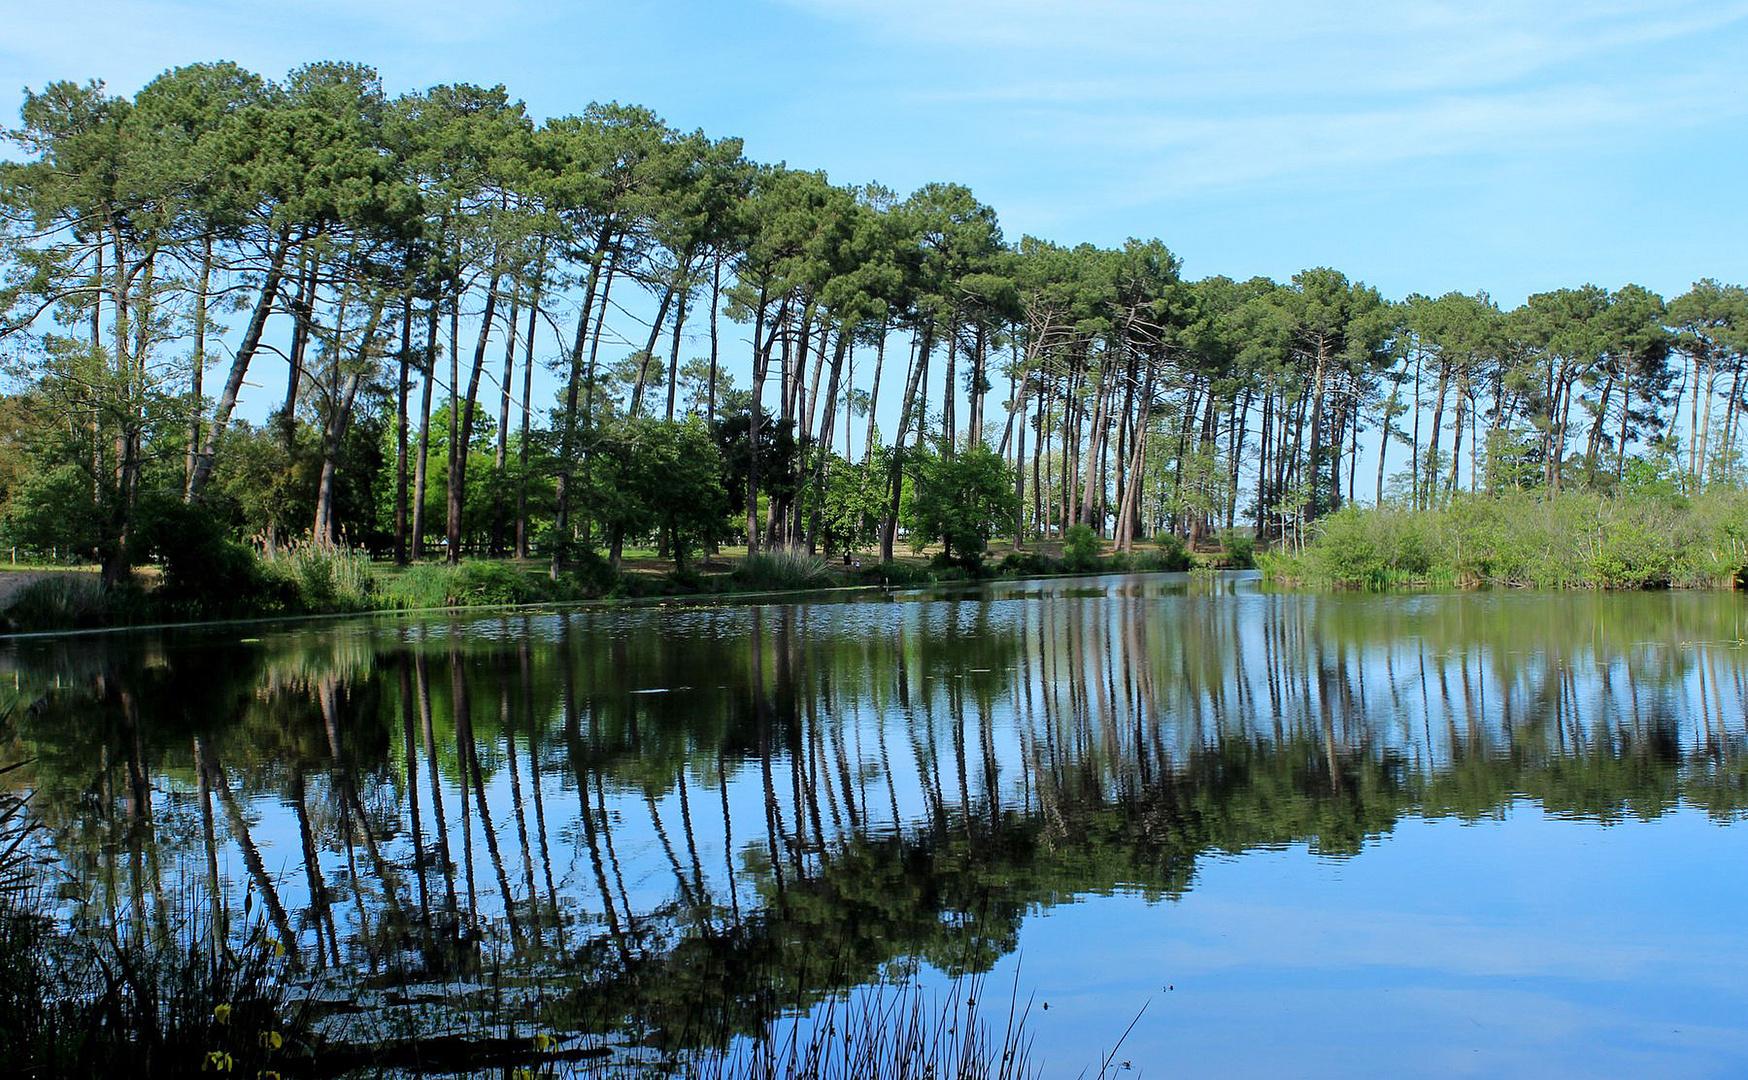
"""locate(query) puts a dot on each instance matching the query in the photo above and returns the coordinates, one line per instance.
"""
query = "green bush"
(1029, 564)
(326, 578)
(470, 583)
(1579, 540)
(1173, 553)
(901, 575)
(73, 600)
(1238, 550)
(782, 567)
(1081, 547)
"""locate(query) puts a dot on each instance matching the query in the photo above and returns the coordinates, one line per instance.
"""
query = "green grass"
(1577, 541)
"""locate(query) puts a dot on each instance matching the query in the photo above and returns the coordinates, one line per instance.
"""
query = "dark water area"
(1418, 834)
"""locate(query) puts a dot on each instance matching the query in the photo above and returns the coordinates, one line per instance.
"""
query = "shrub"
(1238, 550)
(1081, 547)
(327, 578)
(472, 582)
(897, 574)
(73, 600)
(1029, 564)
(1173, 553)
(783, 567)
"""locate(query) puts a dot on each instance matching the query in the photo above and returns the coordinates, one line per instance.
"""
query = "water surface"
(1428, 834)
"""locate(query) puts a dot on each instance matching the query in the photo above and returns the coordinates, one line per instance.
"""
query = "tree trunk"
(197, 374)
(401, 432)
(246, 349)
(421, 462)
(459, 447)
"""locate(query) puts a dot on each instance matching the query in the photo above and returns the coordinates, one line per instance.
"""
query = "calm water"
(1491, 833)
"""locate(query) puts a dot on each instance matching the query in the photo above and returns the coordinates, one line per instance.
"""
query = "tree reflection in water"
(673, 825)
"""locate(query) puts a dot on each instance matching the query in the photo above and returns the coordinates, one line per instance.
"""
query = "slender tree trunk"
(401, 432)
(674, 349)
(895, 481)
(421, 462)
(715, 305)
(655, 333)
(501, 457)
(197, 372)
(246, 349)
(568, 420)
(761, 360)
(522, 446)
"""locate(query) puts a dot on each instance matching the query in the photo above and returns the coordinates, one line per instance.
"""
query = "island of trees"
(408, 263)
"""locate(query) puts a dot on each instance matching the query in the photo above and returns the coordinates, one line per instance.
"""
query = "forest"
(510, 338)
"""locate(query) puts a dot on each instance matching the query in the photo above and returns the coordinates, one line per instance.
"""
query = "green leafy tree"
(961, 501)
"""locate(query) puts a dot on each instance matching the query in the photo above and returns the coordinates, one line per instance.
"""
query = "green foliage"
(1238, 550)
(1081, 547)
(326, 577)
(898, 575)
(1173, 553)
(70, 600)
(152, 1007)
(778, 568)
(52, 511)
(961, 500)
(471, 582)
(854, 504)
(1580, 540)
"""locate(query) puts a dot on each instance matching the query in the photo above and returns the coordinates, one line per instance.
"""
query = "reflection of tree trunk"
(698, 890)
(139, 809)
(527, 679)
(773, 813)
(521, 825)
(727, 837)
(220, 929)
(485, 818)
(330, 702)
(422, 675)
(612, 855)
(409, 742)
(661, 831)
(319, 911)
(461, 711)
(239, 826)
(579, 759)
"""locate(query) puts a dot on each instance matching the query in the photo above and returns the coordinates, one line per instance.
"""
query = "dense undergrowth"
(1576, 541)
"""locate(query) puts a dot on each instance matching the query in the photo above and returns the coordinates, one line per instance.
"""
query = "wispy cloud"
(1173, 97)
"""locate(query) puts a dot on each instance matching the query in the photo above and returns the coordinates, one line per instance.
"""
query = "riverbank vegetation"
(1582, 540)
(706, 333)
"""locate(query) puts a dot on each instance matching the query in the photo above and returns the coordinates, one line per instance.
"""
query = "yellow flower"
(267, 1074)
(217, 1060)
(544, 1042)
(222, 1013)
(275, 946)
(271, 1040)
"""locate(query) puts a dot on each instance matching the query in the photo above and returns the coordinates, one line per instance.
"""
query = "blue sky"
(1505, 146)
(1510, 146)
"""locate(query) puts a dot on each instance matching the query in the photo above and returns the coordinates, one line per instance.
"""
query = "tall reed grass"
(784, 567)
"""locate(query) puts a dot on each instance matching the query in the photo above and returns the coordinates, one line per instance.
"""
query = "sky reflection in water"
(1416, 834)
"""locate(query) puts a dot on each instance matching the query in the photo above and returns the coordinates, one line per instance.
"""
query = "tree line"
(403, 258)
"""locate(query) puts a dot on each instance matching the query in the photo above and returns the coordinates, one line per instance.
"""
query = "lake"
(1218, 829)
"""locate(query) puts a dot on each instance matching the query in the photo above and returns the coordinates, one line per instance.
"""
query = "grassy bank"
(1576, 541)
(225, 580)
